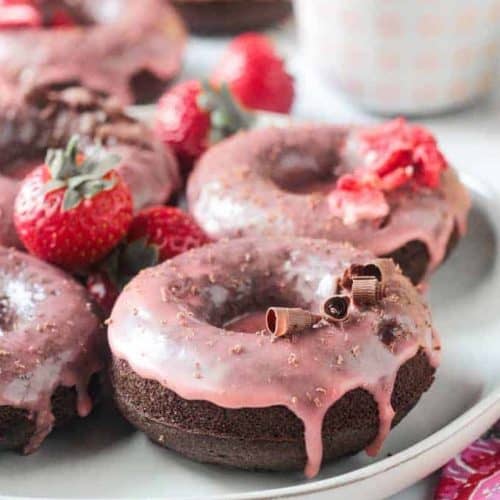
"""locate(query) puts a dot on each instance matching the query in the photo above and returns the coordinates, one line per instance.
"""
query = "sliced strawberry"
(397, 145)
(396, 178)
(349, 182)
(429, 163)
(353, 206)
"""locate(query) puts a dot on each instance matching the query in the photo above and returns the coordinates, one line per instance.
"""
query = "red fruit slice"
(352, 206)
(397, 145)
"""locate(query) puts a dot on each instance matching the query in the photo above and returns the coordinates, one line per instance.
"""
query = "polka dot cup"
(403, 56)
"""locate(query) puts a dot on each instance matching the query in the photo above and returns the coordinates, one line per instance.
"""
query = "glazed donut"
(195, 370)
(215, 17)
(127, 49)
(51, 345)
(278, 182)
(47, 119)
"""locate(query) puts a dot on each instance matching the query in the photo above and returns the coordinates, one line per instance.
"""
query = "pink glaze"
(49, 337)
(265, 183)
(167, 324)
(126, 39)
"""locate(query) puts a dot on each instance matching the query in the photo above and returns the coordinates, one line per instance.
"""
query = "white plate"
(103, 457)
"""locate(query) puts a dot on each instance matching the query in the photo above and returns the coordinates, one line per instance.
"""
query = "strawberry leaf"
(72, 198)
(82, 177)
(226, 115)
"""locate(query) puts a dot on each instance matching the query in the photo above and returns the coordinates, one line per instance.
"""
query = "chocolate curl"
(336, 308)
(287, 320)
(366, 290)
(380, 268)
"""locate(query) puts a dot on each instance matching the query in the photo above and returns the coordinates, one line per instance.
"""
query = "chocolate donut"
(194, 368)
(127, 49)
(51, 350)
(47, 119)
(215, 17)
(278, 182)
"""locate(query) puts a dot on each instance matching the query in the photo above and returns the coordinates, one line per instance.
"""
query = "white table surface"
(470, 138)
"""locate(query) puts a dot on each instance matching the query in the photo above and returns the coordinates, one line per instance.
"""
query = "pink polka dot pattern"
(403, 56)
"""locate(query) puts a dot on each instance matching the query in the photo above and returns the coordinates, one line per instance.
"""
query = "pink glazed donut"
(128, 49)
(195, 369)
(51, 350)
(388, 190)
(47, 119)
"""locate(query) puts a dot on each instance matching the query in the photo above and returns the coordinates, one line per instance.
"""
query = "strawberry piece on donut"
(256, 74)
(74, 209)
(352, 200)
(396, 146)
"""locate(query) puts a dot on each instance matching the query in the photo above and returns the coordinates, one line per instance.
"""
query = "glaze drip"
(53, 339)
(173, 334)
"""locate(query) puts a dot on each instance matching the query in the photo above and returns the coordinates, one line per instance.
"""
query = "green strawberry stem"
(82, 180)
(226, 115)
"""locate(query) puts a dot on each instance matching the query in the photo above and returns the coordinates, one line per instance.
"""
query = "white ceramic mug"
(403, 56)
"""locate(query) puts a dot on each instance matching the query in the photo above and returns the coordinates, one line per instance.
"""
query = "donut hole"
(146, 86)
(244, 310)
(298, 171)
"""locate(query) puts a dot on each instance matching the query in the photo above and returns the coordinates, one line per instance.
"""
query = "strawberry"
(167, 230)
(156, 234)
(192, 115)
(255, 74)
(403, 152)
(74, 209)
(354, 203)
(19, 14)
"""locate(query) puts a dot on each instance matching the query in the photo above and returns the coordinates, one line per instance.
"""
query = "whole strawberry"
(73, 210)
(167, 230)
(156, 234)
(192, 116)
(256, 74)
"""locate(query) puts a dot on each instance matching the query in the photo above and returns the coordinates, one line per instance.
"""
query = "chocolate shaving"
(336, 308)
(378, 269)
(366, 290)
(282, 321)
